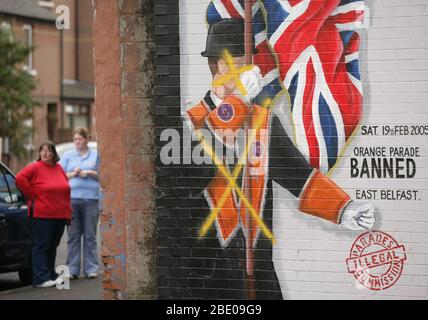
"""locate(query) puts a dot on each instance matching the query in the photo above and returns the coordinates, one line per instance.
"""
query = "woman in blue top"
(81, 167)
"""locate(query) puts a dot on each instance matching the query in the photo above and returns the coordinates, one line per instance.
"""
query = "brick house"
(61, 64)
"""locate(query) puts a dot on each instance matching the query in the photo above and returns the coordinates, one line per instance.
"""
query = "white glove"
(358, 216)
(252, 81)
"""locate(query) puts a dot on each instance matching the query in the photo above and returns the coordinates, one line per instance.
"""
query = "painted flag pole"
(250, 285)
(249, 31)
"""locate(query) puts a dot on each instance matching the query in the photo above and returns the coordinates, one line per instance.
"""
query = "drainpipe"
(61, 78)
(76, 19)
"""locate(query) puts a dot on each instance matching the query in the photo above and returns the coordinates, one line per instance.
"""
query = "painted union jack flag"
(311, 48)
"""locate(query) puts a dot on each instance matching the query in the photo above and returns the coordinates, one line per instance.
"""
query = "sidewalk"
(80, 289)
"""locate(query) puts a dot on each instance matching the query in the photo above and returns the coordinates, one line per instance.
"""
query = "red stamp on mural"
(376, 260)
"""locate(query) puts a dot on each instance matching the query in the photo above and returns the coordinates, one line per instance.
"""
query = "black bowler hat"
(226, 34)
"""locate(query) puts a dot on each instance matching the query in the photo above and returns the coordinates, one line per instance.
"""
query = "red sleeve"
(23, 180)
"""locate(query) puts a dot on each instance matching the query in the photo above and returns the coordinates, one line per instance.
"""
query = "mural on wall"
(310, 48)
(279, 183)
(259, 52)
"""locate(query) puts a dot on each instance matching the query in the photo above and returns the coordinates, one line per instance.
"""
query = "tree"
(16, 85)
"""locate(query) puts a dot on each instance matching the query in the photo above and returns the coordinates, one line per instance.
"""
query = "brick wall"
(310, 255)
(124, 73)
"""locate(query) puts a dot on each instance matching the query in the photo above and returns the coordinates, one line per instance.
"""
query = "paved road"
(81, 289)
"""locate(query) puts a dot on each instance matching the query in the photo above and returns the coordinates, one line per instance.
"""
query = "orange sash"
(321, 197)
(233, 214)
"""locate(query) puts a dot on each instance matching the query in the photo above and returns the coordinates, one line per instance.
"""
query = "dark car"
(15, 228)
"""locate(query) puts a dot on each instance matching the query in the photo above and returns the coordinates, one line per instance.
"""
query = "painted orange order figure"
(238, 250)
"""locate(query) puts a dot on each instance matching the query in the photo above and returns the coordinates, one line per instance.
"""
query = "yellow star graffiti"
(236, 172)
(234, 75)
(232, 185)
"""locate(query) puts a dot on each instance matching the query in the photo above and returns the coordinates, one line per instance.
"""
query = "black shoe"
(71, 276)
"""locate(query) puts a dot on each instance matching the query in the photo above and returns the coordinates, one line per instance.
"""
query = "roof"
(26, 8)
(73, 89)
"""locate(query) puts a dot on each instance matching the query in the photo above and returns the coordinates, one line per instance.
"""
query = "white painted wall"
(310, 254)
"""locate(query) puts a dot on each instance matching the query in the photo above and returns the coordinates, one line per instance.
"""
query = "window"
(5, 25)
(29, 145)
(16, 195)
(4, 191)
(9, 193)
(28, 40)
(52, 121)
(4, 146)
(77, 116)
(46, 4)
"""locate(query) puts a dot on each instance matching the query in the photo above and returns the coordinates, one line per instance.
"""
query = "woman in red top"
(46, 186)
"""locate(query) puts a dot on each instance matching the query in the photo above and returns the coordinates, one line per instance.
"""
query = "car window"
(16, 195)
(9, 193)
(4, 191)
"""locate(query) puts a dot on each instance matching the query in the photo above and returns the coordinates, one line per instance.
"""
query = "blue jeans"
(83, 225)
(47, 235)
